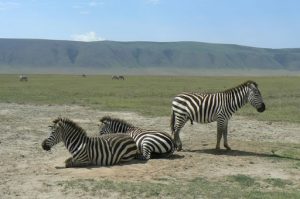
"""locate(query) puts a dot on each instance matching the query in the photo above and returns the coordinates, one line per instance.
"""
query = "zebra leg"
(143, 156)
(177, 140)
(71, 162)
(220, 129)
(219, 137)
(180, 122)
(225, 136)
(146, 152)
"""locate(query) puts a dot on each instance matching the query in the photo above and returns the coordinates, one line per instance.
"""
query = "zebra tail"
(172, 123)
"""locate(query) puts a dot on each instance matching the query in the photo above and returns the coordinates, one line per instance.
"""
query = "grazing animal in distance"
(86, 151)
(23, 78)
(150, 143)
(121, 77)
(210, 107)
(115, 77)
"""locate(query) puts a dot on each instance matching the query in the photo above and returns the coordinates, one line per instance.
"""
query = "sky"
(257, 23)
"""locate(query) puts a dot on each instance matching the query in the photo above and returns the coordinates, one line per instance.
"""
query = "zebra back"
(207, 107)
(159, 142)
(114, 147)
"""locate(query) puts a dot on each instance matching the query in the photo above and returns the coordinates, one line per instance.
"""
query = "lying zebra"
(86, 151)
(150, 143)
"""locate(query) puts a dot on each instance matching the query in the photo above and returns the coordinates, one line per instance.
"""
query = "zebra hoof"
(68, 163)
(227, 148)
(141, 157)
(179, 148)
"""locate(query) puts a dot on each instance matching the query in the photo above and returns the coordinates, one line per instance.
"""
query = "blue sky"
(258, 23)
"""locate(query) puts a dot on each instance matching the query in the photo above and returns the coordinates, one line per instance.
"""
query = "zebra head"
(55, 135)
(106, 126)
(113, 125)
(254, 97)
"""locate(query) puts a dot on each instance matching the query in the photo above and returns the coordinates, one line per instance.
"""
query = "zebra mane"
(69, 123)
(251, 82)
(246, 83)
(115, 120)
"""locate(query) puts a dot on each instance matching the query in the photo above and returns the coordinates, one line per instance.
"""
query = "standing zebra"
(210, 107)
(150, 143)
(102, 151)
(115, 77)
(23, 78)
(121, 77)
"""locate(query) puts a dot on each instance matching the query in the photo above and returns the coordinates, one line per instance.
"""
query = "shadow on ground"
(239, 153)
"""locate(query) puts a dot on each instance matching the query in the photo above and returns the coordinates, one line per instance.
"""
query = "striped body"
(210, 107)
(150, 143)
(85, 151)
(23, 78)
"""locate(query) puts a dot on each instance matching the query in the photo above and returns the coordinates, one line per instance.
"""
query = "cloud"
(87, 37)
(95, 3)
(86, 8)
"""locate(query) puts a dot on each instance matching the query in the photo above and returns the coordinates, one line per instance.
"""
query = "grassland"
(148, 95)
(258, 168)
(235, 186)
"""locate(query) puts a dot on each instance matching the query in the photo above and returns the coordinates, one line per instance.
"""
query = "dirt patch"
(29, 172)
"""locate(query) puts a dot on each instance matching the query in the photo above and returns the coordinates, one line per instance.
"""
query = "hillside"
(46, 55)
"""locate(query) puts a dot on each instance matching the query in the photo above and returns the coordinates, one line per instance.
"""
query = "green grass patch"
(195, 188)
(277, 182)
(148, 95)
(242, 180)
(288, 152)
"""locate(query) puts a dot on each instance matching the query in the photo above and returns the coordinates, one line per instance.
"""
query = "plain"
(148, 95)
(264, 162)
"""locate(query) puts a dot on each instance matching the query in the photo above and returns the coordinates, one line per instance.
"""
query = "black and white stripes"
(150, 143)
(123, 141)
(103, 151)
(210, 107)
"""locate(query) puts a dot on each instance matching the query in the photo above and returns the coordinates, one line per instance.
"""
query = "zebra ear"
(103, 121)
(59, 123)
(252, 84)
(106, 122)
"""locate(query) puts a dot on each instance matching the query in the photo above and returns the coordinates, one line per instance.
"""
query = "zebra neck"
(74, 140)
(236, 98)
(123, 128)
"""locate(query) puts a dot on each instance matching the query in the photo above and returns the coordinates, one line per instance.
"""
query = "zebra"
(210, 107)
(150, 143)
(87, 151)
(121, 77)
(115, 77)
(23, 78)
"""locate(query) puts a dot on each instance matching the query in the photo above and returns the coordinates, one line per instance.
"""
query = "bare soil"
(26, 171)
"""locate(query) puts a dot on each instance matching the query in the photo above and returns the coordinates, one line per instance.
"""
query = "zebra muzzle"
(45, 146)
(262, 108)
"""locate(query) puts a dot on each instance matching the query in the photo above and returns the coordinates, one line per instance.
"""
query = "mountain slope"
(34, 53)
